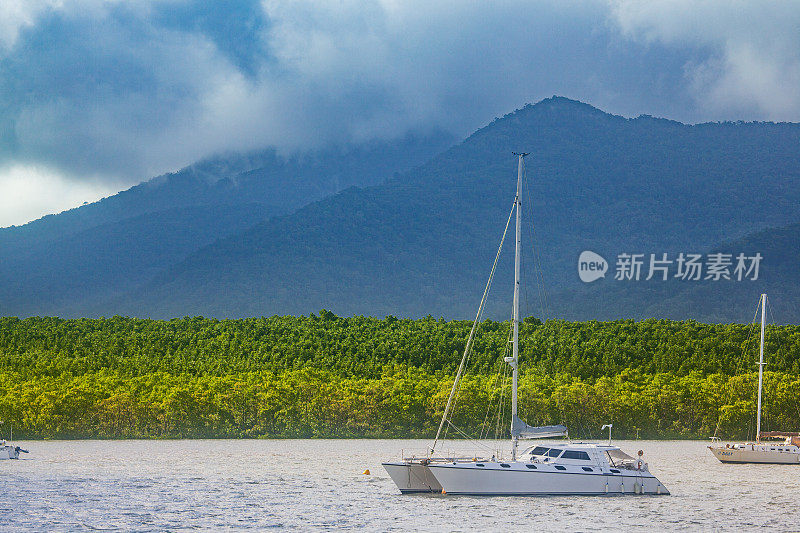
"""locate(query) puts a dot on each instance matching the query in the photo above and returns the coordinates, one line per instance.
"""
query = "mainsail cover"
(524, 431)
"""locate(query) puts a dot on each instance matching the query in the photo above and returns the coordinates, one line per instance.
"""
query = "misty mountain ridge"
(58, 262)
(280, 182)
(422, 242)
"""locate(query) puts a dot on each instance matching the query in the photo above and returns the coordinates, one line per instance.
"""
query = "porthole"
(532, 467)
(504, 465)
(559, 467)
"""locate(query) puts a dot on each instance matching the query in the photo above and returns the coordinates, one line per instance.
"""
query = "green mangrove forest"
(325, 376)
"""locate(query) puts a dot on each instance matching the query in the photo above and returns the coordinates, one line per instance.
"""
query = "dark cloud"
(126, 90)
(88, 90)
(236, 28)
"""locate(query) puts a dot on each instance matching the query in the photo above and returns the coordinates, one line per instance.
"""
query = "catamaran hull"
(738, 455)
(412, 477)
(518, 480)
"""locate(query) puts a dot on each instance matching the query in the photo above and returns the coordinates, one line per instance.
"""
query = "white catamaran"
(759, 452)
(554, 468)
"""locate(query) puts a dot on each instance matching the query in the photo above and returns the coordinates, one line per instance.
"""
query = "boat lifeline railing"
(454, 459)
(446, 457)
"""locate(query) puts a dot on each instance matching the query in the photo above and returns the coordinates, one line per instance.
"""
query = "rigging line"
(490, 403)
(764, 411)
(769, 308)
(470, 351)
(773, 323)
(488, 422)
(502, 370)
(528, 215)
(750, 337)
(501, 405)
(751, 330)
(504, 373)
(474, 327)
(501, 391)
(457, 397)
(467, 436)
(529, 207)
(501, 414)
(754, 422)
(537, 263)
(496, 409)
(502, 400)
(527, 210)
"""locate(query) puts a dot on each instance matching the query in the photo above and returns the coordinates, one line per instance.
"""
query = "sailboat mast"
(515, 345)
(761, 367)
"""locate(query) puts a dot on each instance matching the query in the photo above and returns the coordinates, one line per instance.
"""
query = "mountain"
(423, 242)
(72, 263)
(721, 300)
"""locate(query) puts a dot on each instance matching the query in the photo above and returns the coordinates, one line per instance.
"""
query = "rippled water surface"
(318, 485)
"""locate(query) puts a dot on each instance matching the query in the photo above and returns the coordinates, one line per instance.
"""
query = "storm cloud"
(108, 93)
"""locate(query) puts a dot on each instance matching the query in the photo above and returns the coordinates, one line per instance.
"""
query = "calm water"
(318, 485)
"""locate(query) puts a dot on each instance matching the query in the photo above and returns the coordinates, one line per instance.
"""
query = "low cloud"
(747, 54)
(129, 90)
(30, 191)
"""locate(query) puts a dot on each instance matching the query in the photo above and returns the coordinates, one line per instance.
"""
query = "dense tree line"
(363, 346)
(326, 376)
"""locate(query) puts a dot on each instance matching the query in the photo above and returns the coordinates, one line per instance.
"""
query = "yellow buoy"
(443, 491)
(366, 472)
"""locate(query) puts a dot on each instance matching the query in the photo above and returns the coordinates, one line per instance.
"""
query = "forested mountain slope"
(73, 262)
(722, 300)
(423, 243)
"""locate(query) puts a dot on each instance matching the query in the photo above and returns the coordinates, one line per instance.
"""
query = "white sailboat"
(760, 452)
(562, 468)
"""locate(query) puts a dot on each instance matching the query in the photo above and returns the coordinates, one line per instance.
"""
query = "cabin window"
(587, 469)
(504, 465)
(554, 452)
(479, 464)
(532, 467)
(573, 454)
(615, 470)
(539, 450)
(559, 467)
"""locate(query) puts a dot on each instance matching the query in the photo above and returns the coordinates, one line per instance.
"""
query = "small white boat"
(760, 452)
(9, 451)
(565, 468)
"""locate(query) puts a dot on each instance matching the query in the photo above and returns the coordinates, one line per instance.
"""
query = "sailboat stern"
(412, 477)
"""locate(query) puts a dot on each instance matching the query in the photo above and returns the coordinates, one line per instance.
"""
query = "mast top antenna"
(521, 154)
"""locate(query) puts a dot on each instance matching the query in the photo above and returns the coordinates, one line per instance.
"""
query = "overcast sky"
(97, 95)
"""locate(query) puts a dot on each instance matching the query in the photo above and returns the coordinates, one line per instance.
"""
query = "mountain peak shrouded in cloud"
(110, 93)
(263, 234)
